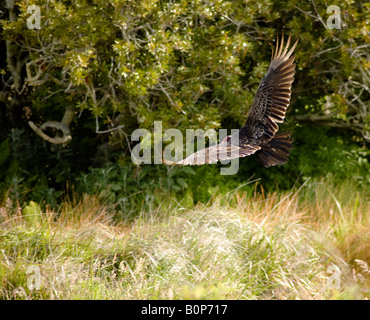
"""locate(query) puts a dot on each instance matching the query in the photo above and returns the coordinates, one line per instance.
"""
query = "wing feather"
(219, 152)
(272, 97)
(268, 109)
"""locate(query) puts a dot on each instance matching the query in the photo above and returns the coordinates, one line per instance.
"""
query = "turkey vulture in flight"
(258, 135)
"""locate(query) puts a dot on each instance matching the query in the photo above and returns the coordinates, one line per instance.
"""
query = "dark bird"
(258, 135)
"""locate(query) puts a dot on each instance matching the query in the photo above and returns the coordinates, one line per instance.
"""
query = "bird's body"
(258, 135)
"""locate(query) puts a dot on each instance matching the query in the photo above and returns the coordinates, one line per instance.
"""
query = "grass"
(240, 246)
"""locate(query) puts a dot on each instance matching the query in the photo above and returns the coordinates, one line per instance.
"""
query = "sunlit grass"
(243, 246)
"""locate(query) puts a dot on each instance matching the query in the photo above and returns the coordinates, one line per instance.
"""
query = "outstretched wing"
(268, 109)
(219, 152)
(272, 98)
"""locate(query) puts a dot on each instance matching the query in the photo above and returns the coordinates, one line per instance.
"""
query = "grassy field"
(311, 243)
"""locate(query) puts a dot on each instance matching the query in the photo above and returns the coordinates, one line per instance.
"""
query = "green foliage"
(28, 173)
(32, 213)
(132, 189)
(323, 153)
(10, 173)
(182, 60)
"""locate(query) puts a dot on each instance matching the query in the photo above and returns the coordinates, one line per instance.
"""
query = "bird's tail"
(277, 150)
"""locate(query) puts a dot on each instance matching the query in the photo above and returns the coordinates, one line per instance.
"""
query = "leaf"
(32, 213)
(181, 182)
(116, 187)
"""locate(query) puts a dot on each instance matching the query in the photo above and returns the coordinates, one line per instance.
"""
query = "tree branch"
(62, 127)
(323, 121)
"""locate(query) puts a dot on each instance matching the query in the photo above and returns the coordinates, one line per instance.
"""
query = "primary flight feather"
(258, 135)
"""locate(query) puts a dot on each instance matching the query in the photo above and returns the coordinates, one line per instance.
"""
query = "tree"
(101, 69)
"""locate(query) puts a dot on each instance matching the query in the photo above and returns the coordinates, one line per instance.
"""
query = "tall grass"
(239, 246)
